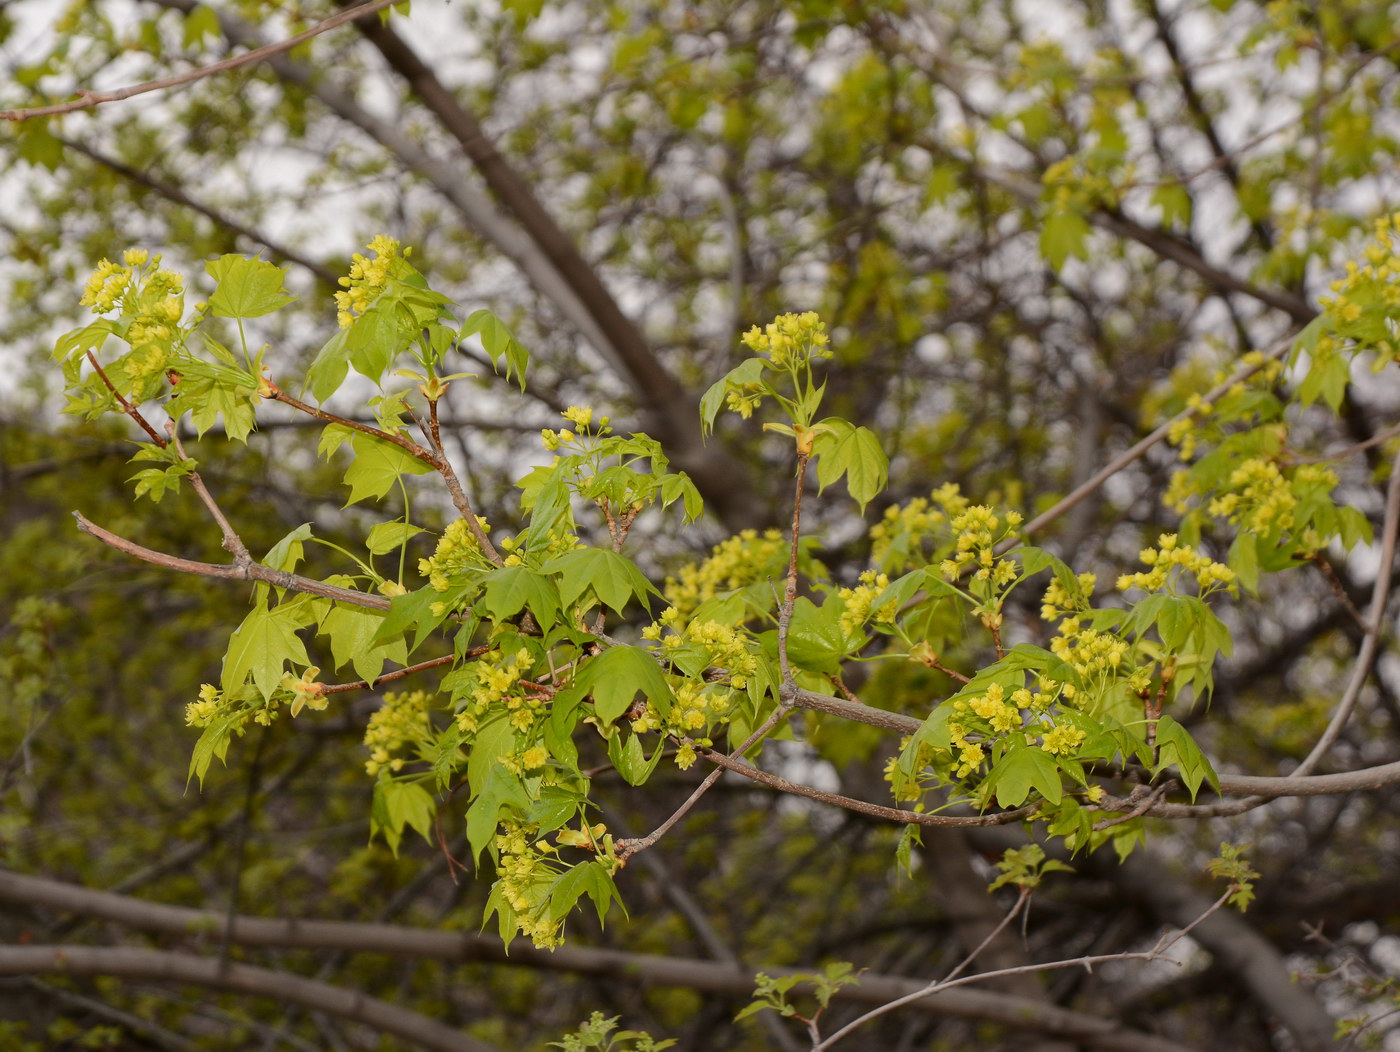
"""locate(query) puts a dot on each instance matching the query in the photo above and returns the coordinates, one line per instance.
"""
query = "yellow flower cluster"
(1185, 432)
(492, 681)
(900, 534)
(366, 280)
(1169, 561)
(1367, 297)
(245, 704)
(1062, 739)
(744, 399)
(105, 288)
(201, 713)
(456, 553)
(1088, 651)
(790, 340)
(978, 530)
(859, 600)
(1263, 499)
(400, 721)
(582, 418)
(556, 542)
(983, 717)
(698, 707)
(525, 878)
(733, 563)
(1059, 601)
(153, 300)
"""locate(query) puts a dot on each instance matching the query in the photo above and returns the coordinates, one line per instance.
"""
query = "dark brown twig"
(127, 408)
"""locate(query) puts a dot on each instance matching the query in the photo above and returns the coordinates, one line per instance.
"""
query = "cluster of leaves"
(534, 677)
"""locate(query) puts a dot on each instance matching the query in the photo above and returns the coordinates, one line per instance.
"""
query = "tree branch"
(236, 572)
(629, 968)
(892, 814)
(130, 963)
(88, 99)
(175, 195)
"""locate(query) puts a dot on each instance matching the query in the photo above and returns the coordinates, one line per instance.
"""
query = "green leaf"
(1244, 560)
(617, 675)
(398, 804)
(88, 338)
(1173, 201)
(1064, 235)
(377, 466)
(1023, 768)
(286, 554)
(587, 878)
(631, 760)
(201, 22)
(328, 369)
(353, 632)
(502, 790)
(499, 343)
(38, 145)
(213, 744)
(494, 738)
(247, 288)
(853, 452)
(679, 487)
(749, 371)
(262, 645)
(550, 512)
(415, 609)
(613, 578)
(1176, 746)
(387, 536)
(511, 589)
(815, 640)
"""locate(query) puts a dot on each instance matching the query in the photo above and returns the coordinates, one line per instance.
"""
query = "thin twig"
(1021, 900)
(89, 99)
(1128, 456)
(1165, 943)
(360, 684)
(233, 544)
(1328, 458)
(127, 408)
(232, 572)
(1370, 645)
(409, 446)
(892, 814)
(628, 848)
(790, 593)
(436, 460)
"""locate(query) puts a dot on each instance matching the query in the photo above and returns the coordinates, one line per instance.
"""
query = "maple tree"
(1022, 534)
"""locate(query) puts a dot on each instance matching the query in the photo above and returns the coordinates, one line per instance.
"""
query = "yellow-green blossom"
(790, 340)
(1169, 561)
(367, 279)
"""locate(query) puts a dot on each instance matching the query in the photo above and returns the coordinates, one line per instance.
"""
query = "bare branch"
(1128, 456)
(246, 572)
(1370, 645)
(628, 848)
(616, 965)
(892, 814)
(790, 591)
(233, 544)
(175, 195)
(88, 99)
(130, 963)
